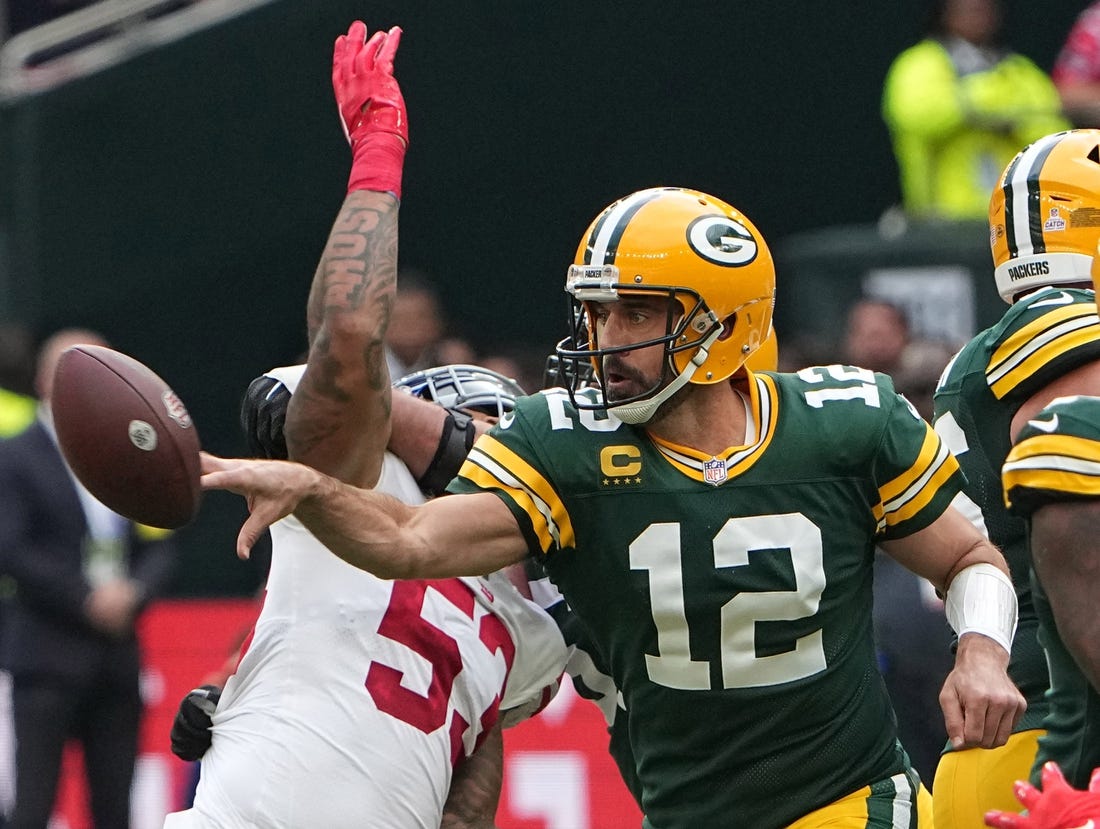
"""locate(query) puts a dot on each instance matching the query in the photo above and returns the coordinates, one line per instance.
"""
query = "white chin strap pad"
(642, 410)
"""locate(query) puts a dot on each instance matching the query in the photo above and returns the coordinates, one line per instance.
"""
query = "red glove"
(372, 109)
(1057, 806)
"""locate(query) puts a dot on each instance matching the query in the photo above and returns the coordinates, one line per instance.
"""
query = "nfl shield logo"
(714, 471)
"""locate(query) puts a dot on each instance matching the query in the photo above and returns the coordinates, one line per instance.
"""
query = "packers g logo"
(722, 240)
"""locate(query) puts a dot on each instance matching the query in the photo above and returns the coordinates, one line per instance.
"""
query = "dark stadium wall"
(178, 201)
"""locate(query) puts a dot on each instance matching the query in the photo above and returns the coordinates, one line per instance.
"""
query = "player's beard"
(632, 382)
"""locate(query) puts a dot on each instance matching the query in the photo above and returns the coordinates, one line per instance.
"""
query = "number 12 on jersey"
(657, 551)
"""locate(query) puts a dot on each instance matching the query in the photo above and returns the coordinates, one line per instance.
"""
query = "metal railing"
(101, 35)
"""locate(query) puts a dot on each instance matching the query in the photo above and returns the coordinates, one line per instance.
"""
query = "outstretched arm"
(339, 419)
(459, 535)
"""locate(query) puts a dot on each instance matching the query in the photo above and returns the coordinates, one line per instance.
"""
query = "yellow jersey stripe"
(478, 475)
(925, 489)
(1038, 342)
(927, 455)
(514, 475)
(1060, 463)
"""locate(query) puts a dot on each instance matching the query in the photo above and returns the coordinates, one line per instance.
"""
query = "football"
(127, 436)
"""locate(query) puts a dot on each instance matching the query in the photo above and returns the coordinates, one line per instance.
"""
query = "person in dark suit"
(83, 574)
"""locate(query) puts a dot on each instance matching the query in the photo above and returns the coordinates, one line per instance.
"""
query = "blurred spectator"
(918, 372)
(1077, 70)
(17, 405)
(876, 334)
(959, 106)
(83, 575)
(416, 327)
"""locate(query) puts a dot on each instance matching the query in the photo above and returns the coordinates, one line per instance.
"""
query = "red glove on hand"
(372, 109)
(1057, 806)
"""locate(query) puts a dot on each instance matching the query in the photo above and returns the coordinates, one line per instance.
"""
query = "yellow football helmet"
(765, 358)
(705, 257)
(1044, 215)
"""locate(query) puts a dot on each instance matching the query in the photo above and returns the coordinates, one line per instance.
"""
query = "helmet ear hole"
(727, 327)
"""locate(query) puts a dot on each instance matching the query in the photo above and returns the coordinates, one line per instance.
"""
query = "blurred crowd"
(960, 104)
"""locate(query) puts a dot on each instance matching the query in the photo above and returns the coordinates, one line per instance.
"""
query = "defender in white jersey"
(357, 698)
(362, 694)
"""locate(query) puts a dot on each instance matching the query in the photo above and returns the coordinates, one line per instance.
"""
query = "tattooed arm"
(475, 787)
(339, 419)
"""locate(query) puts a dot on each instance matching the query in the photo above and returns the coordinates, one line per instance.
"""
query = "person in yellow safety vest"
(17, 402)
(959, 106)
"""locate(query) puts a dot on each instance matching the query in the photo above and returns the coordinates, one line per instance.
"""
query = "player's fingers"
(357, 32)
(1003, 728)
(387, 50)
(1001, 820)
(339, 50)
(977, 730)
(254, 526)
(211, 463)
(1027, 794)
(244, 544)
(1094, 781)
(953, 720)
(364, 60)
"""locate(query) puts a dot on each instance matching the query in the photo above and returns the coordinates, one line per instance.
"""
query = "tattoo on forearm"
(353, 289)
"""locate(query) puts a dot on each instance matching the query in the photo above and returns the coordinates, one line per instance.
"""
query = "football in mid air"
(127, 436)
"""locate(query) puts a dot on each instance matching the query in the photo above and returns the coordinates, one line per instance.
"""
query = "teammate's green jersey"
(1057, 458)
(1040, 338)
(731, 596)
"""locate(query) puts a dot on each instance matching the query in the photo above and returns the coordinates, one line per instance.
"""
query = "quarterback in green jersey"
(713, 529)
(1043, 239)
(1052, 477)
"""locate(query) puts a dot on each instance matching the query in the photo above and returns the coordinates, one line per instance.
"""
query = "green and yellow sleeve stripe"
(492, 465)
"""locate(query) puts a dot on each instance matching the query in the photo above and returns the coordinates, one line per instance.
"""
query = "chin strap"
(640, 411)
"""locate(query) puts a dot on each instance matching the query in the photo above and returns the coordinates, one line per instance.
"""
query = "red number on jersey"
(404, 623)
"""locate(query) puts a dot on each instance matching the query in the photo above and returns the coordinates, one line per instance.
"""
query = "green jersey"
(731, 596)
(1057, 458)
(1040, 338)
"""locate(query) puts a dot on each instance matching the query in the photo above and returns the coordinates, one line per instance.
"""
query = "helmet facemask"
(582, 360)
(467, 387)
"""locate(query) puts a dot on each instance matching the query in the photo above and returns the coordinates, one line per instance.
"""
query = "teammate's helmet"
(464, 387)
(705, 257)
(1044, 215)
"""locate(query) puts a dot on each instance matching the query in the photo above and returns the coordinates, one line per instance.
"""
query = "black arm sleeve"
(454, 445)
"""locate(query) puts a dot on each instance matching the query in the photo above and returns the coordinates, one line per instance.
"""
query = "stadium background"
(178, 199)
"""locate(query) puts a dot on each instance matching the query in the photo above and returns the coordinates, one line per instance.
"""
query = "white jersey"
(357, 696)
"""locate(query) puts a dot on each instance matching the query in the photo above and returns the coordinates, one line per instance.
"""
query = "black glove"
(263, 414)
(191, 735)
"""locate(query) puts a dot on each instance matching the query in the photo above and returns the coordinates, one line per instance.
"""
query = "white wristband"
(981, 599)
